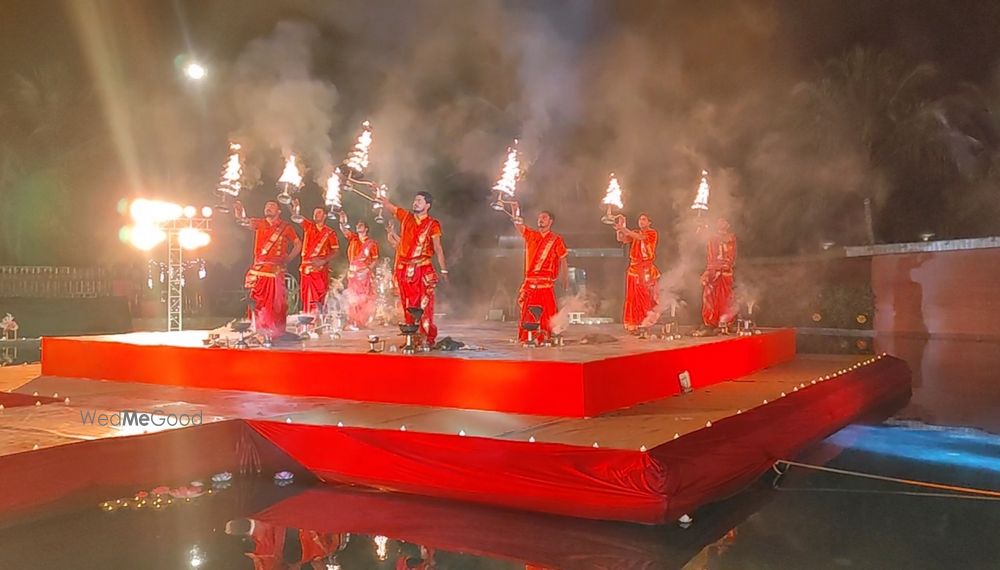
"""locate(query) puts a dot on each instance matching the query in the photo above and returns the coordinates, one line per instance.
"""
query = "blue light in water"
(945, 446)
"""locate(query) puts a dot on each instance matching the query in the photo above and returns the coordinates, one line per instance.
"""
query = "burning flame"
(701, 200)
(358, 159)
(333, 189)
(613, 195)
(230, 183)
(511, 172)
(291, 173)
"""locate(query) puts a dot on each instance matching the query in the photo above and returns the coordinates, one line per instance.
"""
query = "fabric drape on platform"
(548, 477)
(716, 462)
(671, 479)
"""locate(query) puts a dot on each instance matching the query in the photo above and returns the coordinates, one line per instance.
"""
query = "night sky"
(93, 109)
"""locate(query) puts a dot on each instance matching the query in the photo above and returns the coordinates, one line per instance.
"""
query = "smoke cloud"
(280, 103)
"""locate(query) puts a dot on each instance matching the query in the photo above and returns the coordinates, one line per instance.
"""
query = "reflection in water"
(817, 520)
(274, 547)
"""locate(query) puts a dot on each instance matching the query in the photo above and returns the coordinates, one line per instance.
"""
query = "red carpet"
(528, 385)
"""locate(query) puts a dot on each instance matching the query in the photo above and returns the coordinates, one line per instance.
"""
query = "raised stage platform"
(648, 463)
(576, 380)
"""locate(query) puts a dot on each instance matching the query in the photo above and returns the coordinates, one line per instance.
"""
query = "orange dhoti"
(717, 307)
(266, 283)
(537, 292)
(640, 295)
(360, 295)
(313, 288)
(717, 300)
(416, 284)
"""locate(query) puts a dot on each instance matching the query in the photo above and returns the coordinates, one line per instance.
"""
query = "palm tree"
(45, 131)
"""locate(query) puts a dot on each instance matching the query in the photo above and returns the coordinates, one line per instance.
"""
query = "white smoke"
(279, 101)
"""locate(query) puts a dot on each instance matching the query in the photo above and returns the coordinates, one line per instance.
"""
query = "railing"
(51, 282)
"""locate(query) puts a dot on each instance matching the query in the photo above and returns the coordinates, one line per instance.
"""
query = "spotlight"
(146, 236)
(195, 71)
(206, 211)
(191, 238)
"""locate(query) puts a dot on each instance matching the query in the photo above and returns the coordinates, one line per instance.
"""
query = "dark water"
(21, 351)
(804, 519)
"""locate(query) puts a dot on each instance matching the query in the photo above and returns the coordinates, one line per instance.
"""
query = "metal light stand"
(176, 266)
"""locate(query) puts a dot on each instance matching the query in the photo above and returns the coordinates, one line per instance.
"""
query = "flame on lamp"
(613, 194)
(291, 174)
(507, 183)
(333, 185)
(701, 199)
(358, 159)
(233, 172)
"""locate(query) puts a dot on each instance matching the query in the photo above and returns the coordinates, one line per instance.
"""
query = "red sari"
(362, 256)
(542, 255)
(414, 274)
(266, 277)
(317, 243)
(640, 279)
(717, 305)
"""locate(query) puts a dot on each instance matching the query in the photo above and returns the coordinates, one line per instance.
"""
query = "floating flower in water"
(221, 477)
(282, 478)
(186, 492)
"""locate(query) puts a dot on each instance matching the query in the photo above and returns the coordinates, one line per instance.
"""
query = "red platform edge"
(646, 487)
(562, 389)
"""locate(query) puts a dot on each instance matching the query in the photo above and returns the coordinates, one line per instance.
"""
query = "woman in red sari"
(642, 275)
(362, 255)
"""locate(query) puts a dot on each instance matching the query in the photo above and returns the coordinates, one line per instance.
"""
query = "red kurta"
(266, 277)
(542, 256)
(414, 274)
(640, 280)
(362, 255)
(317, 243)
(717, 305)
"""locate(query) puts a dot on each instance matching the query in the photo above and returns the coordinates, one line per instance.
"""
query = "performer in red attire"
(319, 245)
(642, 275)
(419, 240)
(717, 307)
(544, 258)
(266, 277)
(362, 255)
